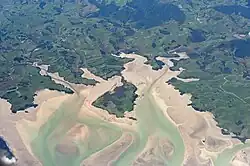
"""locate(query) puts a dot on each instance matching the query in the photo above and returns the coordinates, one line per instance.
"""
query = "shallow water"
(51, 133)
(227, 155)
(151, 122)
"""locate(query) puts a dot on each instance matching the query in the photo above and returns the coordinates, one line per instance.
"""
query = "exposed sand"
(10, 134)
(242, 158)
(89, 75)
(110, 153)
(58, 79)
(96, 91)
(49, 102)
(79, 132)
(156, 152)
(199, 130)
(202, 138)
(188, 79)
(89, 93)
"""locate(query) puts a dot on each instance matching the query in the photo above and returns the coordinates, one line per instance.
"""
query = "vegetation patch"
(119, 101)
(69, 35)
(223, 88)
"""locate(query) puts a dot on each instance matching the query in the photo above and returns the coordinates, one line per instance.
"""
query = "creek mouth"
(151, 128)
(151, 122)
(77, 133)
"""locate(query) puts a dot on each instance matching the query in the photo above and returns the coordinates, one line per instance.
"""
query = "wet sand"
(68, 130)
(242, 158)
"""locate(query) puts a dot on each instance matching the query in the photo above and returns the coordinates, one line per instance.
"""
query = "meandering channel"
(73, 133)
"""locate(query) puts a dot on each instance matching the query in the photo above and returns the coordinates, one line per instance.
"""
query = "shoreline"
(188, 101)
(174, 105)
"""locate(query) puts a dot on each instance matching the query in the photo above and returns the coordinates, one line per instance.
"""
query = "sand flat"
(164, 122)
(194, 126)
(110, 153)
(10, 133)
(242, 158)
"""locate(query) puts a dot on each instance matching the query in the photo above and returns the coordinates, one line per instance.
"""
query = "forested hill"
(71, 34)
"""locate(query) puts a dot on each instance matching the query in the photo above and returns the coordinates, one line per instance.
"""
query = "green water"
(226, 156)
(56, 127)
(151, 121)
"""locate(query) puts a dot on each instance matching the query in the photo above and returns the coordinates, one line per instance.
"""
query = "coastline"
(172, 103)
